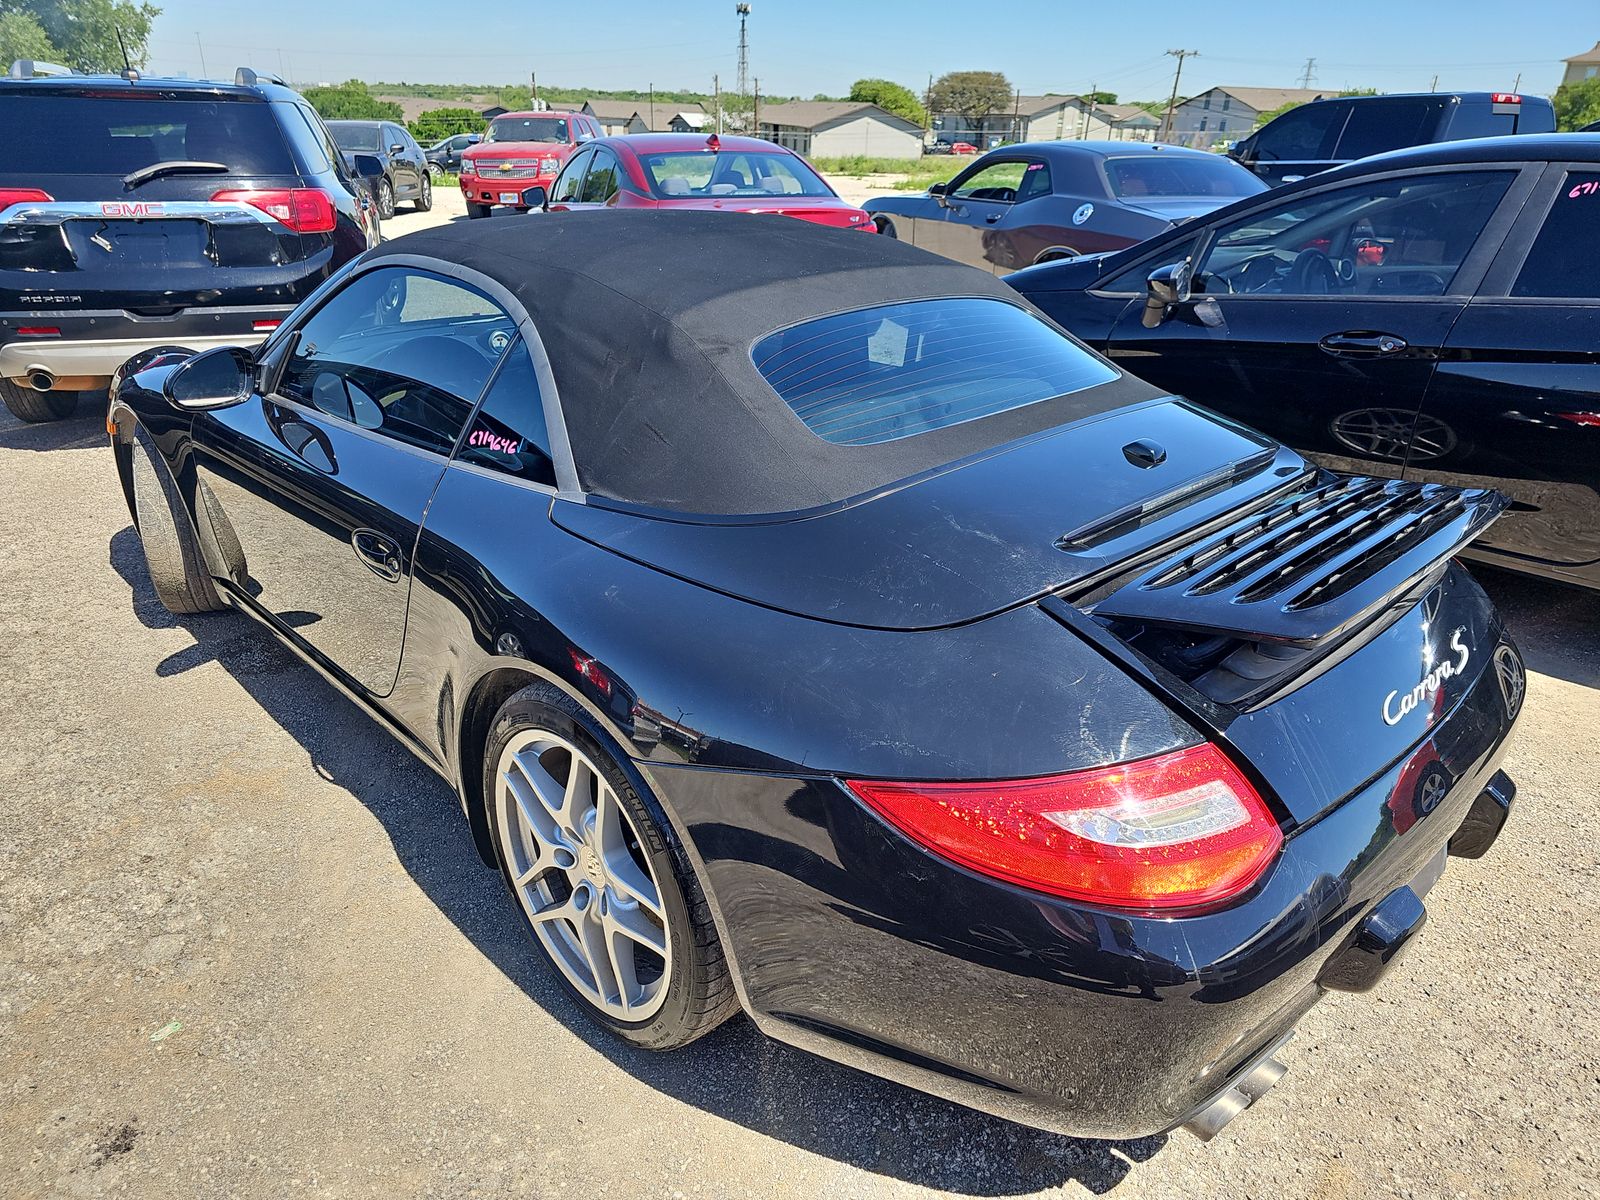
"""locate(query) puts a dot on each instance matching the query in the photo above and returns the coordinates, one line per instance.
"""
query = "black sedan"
(1432, 315)
(833, 639)
(1040, 201)
(405, 166)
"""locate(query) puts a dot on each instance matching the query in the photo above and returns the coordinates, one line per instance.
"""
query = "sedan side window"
(508, 433)
(1388, 237)
(1035, 182)
(600, 184)
(570, 184)
(1562, 261)
(999, 181)
(401, 352)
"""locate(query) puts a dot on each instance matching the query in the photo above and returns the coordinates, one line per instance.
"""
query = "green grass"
(918, 173)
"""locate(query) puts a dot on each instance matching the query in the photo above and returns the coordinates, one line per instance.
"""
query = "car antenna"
(128, 72)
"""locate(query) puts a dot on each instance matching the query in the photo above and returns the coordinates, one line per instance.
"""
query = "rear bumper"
(92, 345)
(851, 942)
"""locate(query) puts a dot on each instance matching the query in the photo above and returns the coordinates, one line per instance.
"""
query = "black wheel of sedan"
(36, 407)
(425, 196)
(171, 547)
(606, 890)
(886, 227)
(385, 199)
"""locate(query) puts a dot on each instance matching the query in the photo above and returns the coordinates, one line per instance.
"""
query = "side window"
(1378, 126)
(998, 181)
(1035, 182)
(400, 352)
(1304, 134)
(1386, 237)
(320, 131)
(600, 184)
(1477, 118)
(508, 433)
(1562, 260)
(307, 145)
(569, 185)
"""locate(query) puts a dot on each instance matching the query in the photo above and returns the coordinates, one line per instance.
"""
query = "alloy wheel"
(579, 870)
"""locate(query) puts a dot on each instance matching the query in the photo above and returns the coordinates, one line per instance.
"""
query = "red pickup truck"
(520, 150)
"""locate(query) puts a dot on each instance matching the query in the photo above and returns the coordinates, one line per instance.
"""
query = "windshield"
(93, 135)
(1155, 175)
(528, 129)
(704, 173)
(880, 374)
(355, 137)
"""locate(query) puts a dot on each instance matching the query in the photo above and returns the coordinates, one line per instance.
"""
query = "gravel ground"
(246, 948)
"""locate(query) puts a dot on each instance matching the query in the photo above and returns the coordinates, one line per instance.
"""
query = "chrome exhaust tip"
(41, 380)
(1244, 1092)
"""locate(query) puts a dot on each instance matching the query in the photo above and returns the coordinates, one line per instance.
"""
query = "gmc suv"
(144, 212)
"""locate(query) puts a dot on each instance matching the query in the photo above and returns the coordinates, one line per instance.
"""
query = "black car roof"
(1526, 147)
(648, 319)
(73, 84)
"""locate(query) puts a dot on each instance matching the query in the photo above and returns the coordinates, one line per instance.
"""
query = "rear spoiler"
(1309, 567)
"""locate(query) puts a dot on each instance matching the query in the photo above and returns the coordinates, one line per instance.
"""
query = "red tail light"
(1183, 830)
(10, 196)
(304, 210)
(39, 330)
(265, 326)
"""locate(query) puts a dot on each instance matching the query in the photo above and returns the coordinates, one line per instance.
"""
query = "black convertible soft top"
(649, 318)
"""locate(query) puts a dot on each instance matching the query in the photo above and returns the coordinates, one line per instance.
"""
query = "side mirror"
(536, 197)
(215, 379)
(397, 148)
(937, 189)
(474, 138)
(367, 166)
(1165, 289)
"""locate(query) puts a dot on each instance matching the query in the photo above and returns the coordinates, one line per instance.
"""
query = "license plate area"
(509, 198)
(154, 243)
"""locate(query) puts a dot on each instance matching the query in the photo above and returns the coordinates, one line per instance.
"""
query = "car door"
(567, 191)
(319, 484)
(1024, 229)
(407, 175)
(973, 204)
(1515, 402)
(1301, 142)
(600, 180)
(1318, 317)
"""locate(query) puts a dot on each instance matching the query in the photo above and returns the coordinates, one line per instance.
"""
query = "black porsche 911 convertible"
(811, 628)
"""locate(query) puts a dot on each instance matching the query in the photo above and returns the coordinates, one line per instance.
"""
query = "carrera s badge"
(1396, 706)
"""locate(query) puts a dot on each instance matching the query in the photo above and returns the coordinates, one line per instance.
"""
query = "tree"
(23, 37)
(1577, 104)
(890, 96)
(351, 101)
(438, 123)
(1273, 113)
(82, 34)
(972, 95)
(1100, 97)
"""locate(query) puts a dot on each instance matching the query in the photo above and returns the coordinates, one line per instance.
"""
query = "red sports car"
(518, 151)
(693, 171)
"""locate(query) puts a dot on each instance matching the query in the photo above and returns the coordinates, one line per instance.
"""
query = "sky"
(805, 47)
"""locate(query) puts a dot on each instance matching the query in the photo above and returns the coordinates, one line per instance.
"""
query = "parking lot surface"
(246, 948)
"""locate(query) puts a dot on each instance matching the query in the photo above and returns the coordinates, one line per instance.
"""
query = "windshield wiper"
(175, 167)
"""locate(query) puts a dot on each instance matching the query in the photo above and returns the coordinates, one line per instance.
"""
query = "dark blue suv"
(144, 212)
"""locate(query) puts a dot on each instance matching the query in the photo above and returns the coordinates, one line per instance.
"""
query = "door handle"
(379, 554)
(1362, 345)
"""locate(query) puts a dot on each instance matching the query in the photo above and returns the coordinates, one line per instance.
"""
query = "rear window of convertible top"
(880, 374)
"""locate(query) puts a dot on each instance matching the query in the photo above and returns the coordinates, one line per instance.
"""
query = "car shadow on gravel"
(84, 430)
(734, 1073)
(1557, 625)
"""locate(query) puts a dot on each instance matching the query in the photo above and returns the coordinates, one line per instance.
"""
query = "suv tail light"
(1180, 831)
(304, 210)
(10, 196)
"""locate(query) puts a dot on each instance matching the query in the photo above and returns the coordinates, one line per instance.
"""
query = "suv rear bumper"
(90, 346)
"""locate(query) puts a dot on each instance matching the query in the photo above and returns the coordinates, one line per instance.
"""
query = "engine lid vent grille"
(1311, 565)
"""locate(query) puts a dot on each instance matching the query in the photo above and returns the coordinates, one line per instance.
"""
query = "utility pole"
(716, 101)
(652, 108)
(533, 83)
(927, 110)
(202, 49)
(1094, 99)
(755, 116)
(1016, 117)
(1172, 103)
(742, 11)
(1516, 84)
(1310, 73)
(1434, 86)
